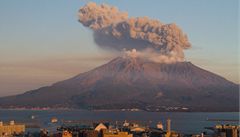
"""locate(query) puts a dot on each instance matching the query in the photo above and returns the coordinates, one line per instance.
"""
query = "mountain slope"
(136, 83)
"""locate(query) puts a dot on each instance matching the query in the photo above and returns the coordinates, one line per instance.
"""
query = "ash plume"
(113, 29)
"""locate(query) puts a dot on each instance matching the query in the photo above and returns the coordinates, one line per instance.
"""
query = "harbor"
(102, 128)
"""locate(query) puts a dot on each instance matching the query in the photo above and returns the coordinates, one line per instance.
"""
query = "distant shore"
(110, 110)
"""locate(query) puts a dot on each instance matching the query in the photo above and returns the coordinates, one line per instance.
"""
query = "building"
(160, 125)
(134, 127)
(137, 129)
(88, 133)
(66, 134)
(169, 132)
(156, 132)
(169, 125)
(54, 120)
(11, 129)
(115, 133)
(100, 127)
(227, 131)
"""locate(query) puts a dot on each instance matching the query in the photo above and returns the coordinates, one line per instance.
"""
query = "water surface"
(184, 122)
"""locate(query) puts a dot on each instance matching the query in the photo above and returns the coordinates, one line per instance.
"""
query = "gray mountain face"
(126, 83)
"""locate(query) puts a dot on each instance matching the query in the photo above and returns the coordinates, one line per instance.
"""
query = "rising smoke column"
(113, 29)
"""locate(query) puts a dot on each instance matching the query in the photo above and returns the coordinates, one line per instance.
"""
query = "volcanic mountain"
(126, 83)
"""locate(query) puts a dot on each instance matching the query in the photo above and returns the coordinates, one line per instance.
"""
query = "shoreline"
(111, 110)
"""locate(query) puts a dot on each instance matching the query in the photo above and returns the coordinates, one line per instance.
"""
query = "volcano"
(127, 83)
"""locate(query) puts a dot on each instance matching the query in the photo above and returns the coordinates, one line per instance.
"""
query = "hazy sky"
(42, 42)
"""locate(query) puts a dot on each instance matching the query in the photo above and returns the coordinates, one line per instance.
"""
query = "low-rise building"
(227, 130)
(100, 127)
(66, 134)
(11, 129)
(110, 133)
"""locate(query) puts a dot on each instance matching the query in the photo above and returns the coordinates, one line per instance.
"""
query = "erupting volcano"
(132, 82)
(151, 75)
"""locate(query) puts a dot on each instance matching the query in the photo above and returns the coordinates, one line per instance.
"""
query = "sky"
(42, 42)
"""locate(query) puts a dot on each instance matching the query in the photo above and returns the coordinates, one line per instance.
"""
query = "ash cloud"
(113, 29)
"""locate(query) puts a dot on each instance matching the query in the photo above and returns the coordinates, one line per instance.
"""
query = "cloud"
(114, 30)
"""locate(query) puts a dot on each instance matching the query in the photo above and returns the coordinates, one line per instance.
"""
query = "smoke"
(151, 55)
(131, 53)
(113, 29)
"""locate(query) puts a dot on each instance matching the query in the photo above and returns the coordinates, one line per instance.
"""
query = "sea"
(183, 122)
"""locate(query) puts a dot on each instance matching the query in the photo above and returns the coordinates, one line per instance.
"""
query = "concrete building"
(169, 125)
(89, 133)
(227, 131)
(110, 133)
(11, 128)
(125, 124)
(160, 125)
(66, 134)
(169, 132)
(134, 127)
